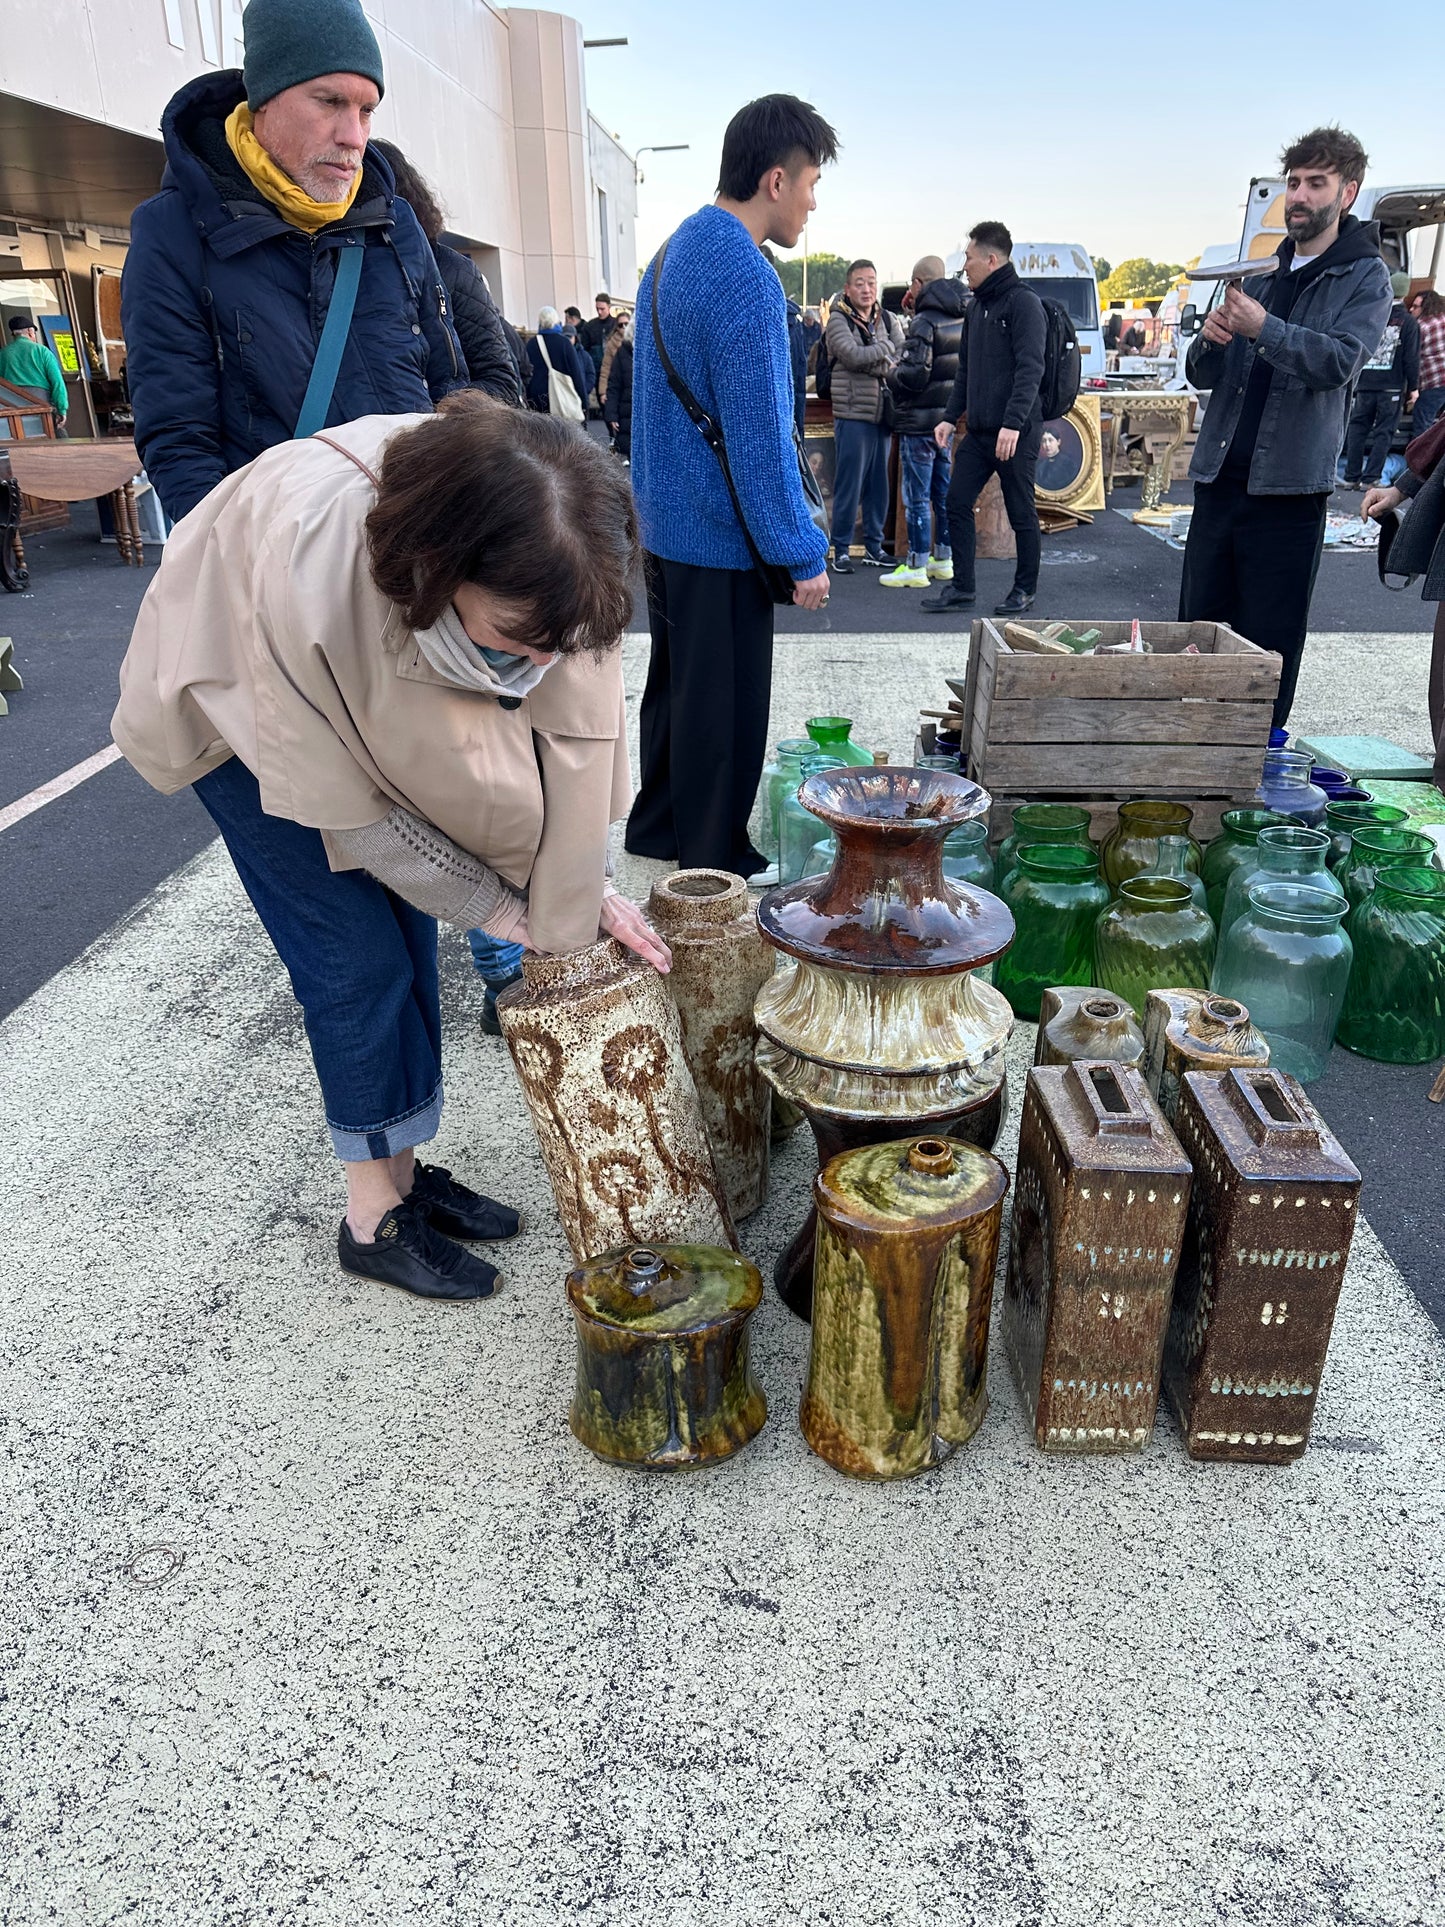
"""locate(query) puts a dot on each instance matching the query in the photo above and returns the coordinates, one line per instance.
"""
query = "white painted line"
(57, 786)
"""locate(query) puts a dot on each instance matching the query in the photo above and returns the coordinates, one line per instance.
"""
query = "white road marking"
(69, 779)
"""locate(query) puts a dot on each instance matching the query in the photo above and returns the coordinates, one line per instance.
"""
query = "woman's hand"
(622, 919)
(1378, 502)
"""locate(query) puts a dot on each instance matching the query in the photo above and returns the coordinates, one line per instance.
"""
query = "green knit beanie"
(289, 42)
(1399, 284)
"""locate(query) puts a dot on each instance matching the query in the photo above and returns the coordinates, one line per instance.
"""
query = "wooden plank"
(1062, 720)
(1094, 770)
(1230, 678)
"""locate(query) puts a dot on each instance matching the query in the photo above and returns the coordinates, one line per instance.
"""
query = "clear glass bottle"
(833, 737)
(1152, 937)
(1042, 823)
(1176, 856)
(1234, 845)
(820, 857)
(1376, 848)
(1129, 849)
(1287, 958)
(779, 776)
(1285, 786)
(797, 826)
(965, 855)
(1285, 851)
(1056, 895)
(1395, 1004)
(1344, 818)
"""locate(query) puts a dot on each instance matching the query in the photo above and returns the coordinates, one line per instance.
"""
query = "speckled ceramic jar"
(1193, 1030)
(1076, 1021)
(664, 1376)
(719, 964)
(908, 1236)
(597, 1046)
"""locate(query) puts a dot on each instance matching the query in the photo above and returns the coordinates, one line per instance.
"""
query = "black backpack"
(1063, 365)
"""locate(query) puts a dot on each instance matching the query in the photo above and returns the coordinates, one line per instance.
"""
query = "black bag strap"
(710, 430)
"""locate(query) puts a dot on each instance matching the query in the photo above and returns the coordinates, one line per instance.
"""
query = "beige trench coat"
(263, 636)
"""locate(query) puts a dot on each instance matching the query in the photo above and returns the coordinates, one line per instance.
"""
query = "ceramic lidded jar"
(1076, 1021)
(664, 1374)
(597, 1046)
(719, 964)
(908, 1236)
(1193, 1030)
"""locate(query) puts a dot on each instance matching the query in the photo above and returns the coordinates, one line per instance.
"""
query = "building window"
(602, 230)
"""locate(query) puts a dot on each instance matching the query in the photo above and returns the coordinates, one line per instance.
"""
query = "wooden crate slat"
(1104, 769)
(1063, 720)
(1161, 679)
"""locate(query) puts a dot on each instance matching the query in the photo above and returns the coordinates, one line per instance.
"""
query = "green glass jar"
(1343, 819)
(965, 855)
(1041, 823)
(832, 734)
(1130, 848)
(1287, 959)
(1174, 856)
(1285, 853)
(797, 826)
(1375, 848)
(1056, 895)
(1395, 1004)
(820, 857)
(781, 775)
(1152, 937)
(1234, 845)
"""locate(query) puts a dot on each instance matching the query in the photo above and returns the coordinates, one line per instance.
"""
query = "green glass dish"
(1041, 823)
(1343, 819)
(1285, 853)
(1056, 895)
(1395, 1004)
(832, 734)
(1376, 848)
(1130, 847)
(1234, 845)
(1152, 937)
(1287, 960)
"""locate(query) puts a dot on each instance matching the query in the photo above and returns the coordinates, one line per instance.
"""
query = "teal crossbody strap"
(327, 365)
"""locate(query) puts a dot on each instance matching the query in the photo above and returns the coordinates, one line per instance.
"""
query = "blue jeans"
(363, 965)
(860, 474)
(1429, 404)
(926, 471)
(497, 962)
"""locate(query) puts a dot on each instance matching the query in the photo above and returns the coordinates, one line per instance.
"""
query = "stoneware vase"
(664, 1376)
(597, 1046)
(719, 964)
(908, 1236)
(1193, 1030)
(877, 1025)
(1076, 1021)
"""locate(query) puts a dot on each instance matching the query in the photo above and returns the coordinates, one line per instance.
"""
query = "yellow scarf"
(290, 201)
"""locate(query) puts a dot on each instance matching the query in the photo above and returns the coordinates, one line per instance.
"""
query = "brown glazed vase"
(1077, 1022)
(719, 964)
(597, 1047)
(877, 1025)
(664, 1376)
(1193, 1030)
(908, 1237)
(1101, 1195)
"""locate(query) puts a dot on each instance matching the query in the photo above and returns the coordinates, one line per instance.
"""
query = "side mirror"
(1189, 322)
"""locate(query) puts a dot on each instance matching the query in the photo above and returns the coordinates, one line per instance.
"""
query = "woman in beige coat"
(387, 660)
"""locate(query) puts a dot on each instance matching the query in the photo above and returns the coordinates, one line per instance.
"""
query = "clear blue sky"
(1133, 129)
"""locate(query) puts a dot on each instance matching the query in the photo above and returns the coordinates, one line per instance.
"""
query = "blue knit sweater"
(723, 318)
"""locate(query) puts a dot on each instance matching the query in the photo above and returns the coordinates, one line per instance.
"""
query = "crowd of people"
(383, 645)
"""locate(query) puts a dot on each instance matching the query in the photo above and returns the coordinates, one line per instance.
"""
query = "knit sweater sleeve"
(414, 859)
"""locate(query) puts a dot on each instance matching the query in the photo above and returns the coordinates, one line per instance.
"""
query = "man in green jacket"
(25, 362)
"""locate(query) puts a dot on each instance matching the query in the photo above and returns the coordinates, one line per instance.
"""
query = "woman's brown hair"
(526, 506)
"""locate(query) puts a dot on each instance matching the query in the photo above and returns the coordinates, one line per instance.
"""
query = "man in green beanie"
(1388, 385)
(269, 182)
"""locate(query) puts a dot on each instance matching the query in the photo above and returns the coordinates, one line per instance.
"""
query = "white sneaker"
(940, 571)
(905, 578)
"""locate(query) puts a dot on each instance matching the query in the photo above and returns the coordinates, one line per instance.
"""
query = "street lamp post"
(671, 147)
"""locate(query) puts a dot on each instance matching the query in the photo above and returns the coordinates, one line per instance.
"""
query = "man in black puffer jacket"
(922, 384)
(996, 397)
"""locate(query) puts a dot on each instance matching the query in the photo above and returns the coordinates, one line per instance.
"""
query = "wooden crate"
(1166, 724)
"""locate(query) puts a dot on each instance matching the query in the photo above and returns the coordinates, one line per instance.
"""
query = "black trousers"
(973, 462)
(1251, 561)
(704, 721)
(1372, 428)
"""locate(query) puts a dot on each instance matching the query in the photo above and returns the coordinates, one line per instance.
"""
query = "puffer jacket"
(617, 407)
(223, 304)
(923, 380)
(485, 348)
(861, 353)
(1001, 356)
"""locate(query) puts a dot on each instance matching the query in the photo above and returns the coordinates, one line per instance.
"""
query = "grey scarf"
(491, 672)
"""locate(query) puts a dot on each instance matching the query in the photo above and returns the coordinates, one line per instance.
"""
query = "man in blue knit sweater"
(723, 320)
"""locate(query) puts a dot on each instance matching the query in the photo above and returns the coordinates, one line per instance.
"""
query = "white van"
(1402, 212)
(1064, 271)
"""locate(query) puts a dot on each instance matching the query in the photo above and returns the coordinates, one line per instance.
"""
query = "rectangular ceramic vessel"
(1269, 1235)
(1100, 1201)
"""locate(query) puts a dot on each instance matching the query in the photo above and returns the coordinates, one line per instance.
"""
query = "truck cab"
(1064, 272)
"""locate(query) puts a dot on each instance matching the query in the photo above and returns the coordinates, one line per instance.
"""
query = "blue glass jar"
(1285, 786)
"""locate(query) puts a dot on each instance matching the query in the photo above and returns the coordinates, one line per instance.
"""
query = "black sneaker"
(873, 560)
(410, 1253)
(491, 1022)
(1014, 603)
(843, 564)
(949, 598)
(459, 1212)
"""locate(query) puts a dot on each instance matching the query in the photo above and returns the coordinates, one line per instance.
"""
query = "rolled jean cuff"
(386, 1140)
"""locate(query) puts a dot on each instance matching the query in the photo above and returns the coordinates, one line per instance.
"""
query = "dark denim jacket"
(1334, 329)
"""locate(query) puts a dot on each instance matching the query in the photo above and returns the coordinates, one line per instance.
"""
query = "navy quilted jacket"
(223, 306)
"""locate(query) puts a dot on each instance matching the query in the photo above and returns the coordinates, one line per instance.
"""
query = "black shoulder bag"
(776, 579)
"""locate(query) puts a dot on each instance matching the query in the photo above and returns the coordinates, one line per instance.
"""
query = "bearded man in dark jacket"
(233, 264)
(922, 383)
